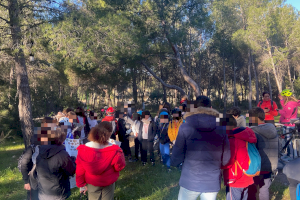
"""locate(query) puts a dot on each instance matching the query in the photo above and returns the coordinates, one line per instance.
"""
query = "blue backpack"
(298, 192)
(254, 161)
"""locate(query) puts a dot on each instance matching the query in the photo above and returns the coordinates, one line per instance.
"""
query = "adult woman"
(174, 125)
(82, 120)
(146, 137)
(99, 163)
(137, 130)
(54, 166)
(269, 107)
(289, 111)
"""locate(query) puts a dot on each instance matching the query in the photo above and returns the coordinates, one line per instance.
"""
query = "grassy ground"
(135, 182)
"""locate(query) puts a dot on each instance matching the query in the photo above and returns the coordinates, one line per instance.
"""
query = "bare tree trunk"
(225, 86)
(289, 74)
(134, 84)
(250, 82)
(256, 79)
(234, 84)
(276, 75)
(162, 82)
(23, 89)
(11, 78)
(269, 82)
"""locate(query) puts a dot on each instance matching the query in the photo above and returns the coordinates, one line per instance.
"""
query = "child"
(164, 139)
(236, 113)
(235, 180)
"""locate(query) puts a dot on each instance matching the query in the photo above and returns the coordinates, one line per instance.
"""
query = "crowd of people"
(194, 138)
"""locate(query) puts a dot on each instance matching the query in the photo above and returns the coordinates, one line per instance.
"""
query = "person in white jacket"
(92, 119)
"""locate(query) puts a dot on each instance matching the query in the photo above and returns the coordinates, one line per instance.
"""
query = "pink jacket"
(287, 111)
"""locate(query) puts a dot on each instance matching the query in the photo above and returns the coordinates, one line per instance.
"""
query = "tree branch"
(4, 20)
(6, 7)
(162, 82)
(185, 75)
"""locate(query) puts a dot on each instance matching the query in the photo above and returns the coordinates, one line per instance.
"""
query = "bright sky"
(295, 3)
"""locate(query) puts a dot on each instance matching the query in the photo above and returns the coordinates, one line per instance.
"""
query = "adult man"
(202, 147)
(267, 145)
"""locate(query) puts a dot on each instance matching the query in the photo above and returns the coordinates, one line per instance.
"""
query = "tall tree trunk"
(23, 89)
(225, 86)
(250, 81)
(276, 75)
(234, 84)
(269, 83)
(11, 78)
(256, 79)
(289, 74)
(134, 84)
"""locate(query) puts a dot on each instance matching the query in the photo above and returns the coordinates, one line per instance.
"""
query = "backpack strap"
(272, 104)
(260, 102)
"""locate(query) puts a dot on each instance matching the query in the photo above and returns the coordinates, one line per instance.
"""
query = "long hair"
(288, 99)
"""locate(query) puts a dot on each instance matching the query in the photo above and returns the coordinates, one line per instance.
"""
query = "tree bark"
(269, 83)
(276, 75)
(234, 84)
(256, 79)
(289, 74)
(134, 84)
(25, 111)
(11, 78)
(250, 82)
(225, 85)
(162, 82)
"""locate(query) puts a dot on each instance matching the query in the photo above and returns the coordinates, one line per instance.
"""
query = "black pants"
(236, 193)
(147, 146)
(293, 188)
(260, 188)
(32, 195)
(137, 147)
(125, 147)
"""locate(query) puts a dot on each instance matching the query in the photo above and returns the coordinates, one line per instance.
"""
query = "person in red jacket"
(270, 110)
(99, 163)
(235, 180)
(110, 117)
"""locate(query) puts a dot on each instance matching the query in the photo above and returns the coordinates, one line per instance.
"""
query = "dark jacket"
(151, 131)
(267, 145)
(291, 169)
(54, 167)
(162, 132)
(26, 164)
(202, 147)
(122, 130)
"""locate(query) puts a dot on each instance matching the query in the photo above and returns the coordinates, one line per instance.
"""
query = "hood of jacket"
(48, 151)
(267, 130)
(146, 121)
(203, 119)
(242, 133)
(101, 158)
(108, 118)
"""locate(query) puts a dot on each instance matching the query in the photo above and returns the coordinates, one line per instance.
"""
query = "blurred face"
(72, 118)
(121, 116)
(164, 119)
(147, 117)
(93, 117)
(266, 97)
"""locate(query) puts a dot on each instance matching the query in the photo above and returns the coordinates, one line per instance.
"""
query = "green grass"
(135, 182)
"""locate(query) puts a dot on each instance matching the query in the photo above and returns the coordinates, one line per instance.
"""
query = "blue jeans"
(185, 194)
(290, 150)
(165, 154)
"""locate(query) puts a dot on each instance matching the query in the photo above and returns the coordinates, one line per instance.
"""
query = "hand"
(27, 186)
(280, 97)
(83, 189)
(267, 110)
